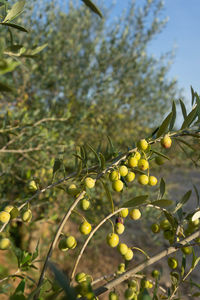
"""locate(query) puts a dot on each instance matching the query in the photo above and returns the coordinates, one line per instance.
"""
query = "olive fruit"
(155, 228)
(130, 176)
(152, 180)
(135, 214)
(143, 179)
(4, 243)
(119, 228)
(114, 175)
(123, 213)
(85, 228)
(89, 182)
(166, 142)
(142, 145)
(143, 164)
(132, 162)
(122, 248)
(128, 255)
(117, 185)
(123, 171)
(112, 240)
(27, 215)
(172, 262)
(113, 296)
(186, 250)
(4, 217)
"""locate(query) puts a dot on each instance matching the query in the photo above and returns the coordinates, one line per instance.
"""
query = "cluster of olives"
(113, 238)
(169, 233)
(84, 288)
(9, 213)
(69, 242)
(133, 289)
(138, 160)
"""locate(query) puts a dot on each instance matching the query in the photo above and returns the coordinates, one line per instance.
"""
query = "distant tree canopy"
(96, 68)
(95, 78)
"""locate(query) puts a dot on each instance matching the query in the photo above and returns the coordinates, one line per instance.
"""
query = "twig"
(89, 238)
(55, 239)
(103, 289)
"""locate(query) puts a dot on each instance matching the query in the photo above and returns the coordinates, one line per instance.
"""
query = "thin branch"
(89, 238)
(103, 289)
(56, 237)
(34, 124)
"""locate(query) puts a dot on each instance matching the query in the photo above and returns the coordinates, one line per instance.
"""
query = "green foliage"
(60, 97)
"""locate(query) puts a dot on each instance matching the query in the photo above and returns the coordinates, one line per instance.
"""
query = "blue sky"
(182, 32)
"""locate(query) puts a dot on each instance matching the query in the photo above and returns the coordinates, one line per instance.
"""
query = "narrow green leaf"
(195, 262)
(183, 200)
(57, 165)
(172, 220)
(108, 194)
(162, 188)
(15, 10)
(160, 154)
(103, 161)
(78, 156)
(183, 265)
(93, 7)
(63, 282)
(197, 194)
(5, 88)
(112, 149)
(162, 203)
(95, 153)
(185, 143)
(83, 153)
(163, 127)
(35, 253)
(173, 119)
(79, 170)
(33, 52)
(193, 95)
(136, 201)
(190, 118)
(20, 287)
(184, 112)
(198, 106)
(16, 26)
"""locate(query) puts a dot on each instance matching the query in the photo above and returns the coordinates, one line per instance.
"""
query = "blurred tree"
(97, 70)
(93, 79)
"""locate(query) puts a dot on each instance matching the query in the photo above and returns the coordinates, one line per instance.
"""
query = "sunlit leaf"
(162, 188)
(189, 119)
(173, 119)
(184, 112)
(162, 203)
(160, 154)
(163, 127)
(183, 200)
(16, 26)
(136, 201)
(63, 281)
(197, 194)
(108, 194)
(93, 7)
(15, 10)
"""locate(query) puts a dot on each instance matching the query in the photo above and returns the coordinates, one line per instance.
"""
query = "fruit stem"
(79, 214)
(145, 254)
(113, 227)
